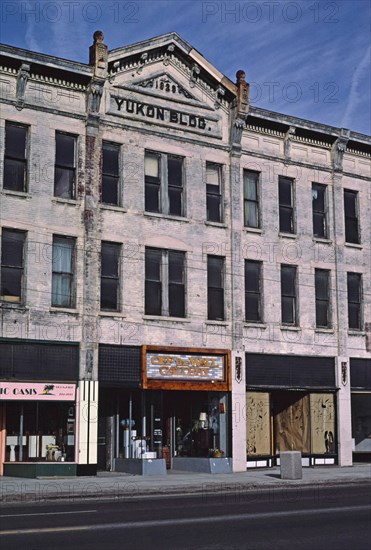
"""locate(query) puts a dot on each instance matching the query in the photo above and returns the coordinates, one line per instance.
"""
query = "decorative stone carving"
(95, 92)
(22, 78)
(338, 149)
(142, 62)
(241, 109)
(168, 53)
(164, 84)
(194, 74)
(220, 92)
(98, 55)
(288, 141)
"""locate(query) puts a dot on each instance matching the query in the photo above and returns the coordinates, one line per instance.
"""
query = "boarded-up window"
(322, 419)
(257, 424)
(291, 422)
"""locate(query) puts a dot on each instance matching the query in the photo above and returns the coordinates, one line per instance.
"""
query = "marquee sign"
(29, 391)
(194, 368)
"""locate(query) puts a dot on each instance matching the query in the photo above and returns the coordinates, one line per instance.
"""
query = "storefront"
(290, 406)
(178, 418)
(360, 379)
(38, 415)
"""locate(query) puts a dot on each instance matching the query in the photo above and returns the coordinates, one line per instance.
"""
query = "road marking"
(48, 514)
(185, 521)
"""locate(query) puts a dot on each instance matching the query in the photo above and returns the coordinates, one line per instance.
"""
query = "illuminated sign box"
(190, 367)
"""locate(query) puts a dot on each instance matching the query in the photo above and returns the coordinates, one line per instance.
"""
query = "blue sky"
(305, 58)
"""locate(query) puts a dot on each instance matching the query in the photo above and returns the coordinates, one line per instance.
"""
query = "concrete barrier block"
(291, 467)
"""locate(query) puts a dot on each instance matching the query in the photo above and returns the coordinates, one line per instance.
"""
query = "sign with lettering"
(28, 391)
(195, 368)
(133, 108)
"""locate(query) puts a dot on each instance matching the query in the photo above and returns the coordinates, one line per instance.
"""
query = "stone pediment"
(164, 85)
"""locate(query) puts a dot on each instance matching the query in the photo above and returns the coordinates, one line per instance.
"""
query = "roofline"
(45, 59)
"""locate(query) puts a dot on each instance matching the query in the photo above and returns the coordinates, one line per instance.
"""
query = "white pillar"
(238, 412)
(344, 412)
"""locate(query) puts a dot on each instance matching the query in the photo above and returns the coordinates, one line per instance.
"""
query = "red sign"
(29, 391)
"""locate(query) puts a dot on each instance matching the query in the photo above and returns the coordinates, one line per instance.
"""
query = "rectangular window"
(110, 173)
(289, 295)
(12, 265)
(165, 282)
(163, 183)
(351, 216)
(354, 283)
(251, 198)
(322, 290)
(215, 288)
(319, 208)
(213, 192)
(63, 271)
(253, 294)
(286, 204)
(65, 166)
(15, 157)
(110, 276)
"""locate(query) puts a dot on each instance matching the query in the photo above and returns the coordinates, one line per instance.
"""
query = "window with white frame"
(164, 282)
(251, 198)
(63, 276)
(164, 183)
(214, 192)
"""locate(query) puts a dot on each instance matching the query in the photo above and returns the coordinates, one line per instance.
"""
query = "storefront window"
(258, 440)
(40, 431)
(322, 419)
(361, 422)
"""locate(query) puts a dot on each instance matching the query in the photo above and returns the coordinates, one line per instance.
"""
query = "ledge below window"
(251, 324)
(113, 207)
(255, 230)
(288, 235)
(216, 224)
(216, 323)
(354, 332)
(112, 314)
(322, 240)
(290, 327)
(164, 318)
(65, 310)
(61, 200)
(13, 306)
(353, 245)
(19, 194)
(324, 330)
(166, 216)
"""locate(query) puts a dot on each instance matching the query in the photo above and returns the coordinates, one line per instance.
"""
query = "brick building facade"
(189, 273)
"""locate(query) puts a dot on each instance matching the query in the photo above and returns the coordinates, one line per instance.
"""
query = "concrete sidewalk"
(125, 486)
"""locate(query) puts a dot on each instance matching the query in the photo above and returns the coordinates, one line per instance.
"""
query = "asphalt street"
(303, 518)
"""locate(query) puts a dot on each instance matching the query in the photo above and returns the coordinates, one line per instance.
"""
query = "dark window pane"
(252, 307)
(15, 141)
(321, 281)
(251, 214)
(176, 267)
(61, 290)
(109, 190)
(176, 300)
(286, 220)
(152, 197)
(14, 174)
(11, 284)
(322, 314)
(153, 298)
(175, 201)
(288, 280)
(354, 316)
(174, 167)
(285, 191)
(65, 150)
(252, 276)
(109, 294)
(215, 271)
(351, 231)
(215, 304)
(153, 264)
(213, 208)
(354, 287)
(350, 204)
(351, 216)
(12, 243)
(319, 226)
(288, 310)
(64, 182)
(63, 266)
(110, 260)
(110, 160)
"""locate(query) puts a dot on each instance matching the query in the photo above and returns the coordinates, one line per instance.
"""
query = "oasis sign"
(166, 366)
(147, 111)
(45, 391)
